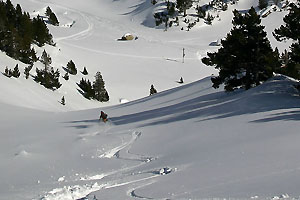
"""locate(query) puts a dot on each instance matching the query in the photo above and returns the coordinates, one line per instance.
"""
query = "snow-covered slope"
(88, 34)
(185, 143)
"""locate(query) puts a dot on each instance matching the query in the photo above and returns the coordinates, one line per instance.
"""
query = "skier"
(103, 116)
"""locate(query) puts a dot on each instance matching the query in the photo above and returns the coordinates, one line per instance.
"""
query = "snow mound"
(22, 153)
(95, 177)
(281, 197)
(72, 192)
(61, 179)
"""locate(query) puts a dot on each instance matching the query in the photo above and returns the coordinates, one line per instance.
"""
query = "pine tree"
(71, 68)
(66, 76)
(32, 56)
(49, 79)
(7, 72)
(41, 32)
(16, 72)
(246, 57)
(54, 79)
(46, 60)
(284, 58)
(84, 72)
(27, 71)
(53, 19)
(51, 16)
(10, 11)
(290, 30)
(48, 11)
(17, 32)
(152, 90)
(87, 88)
(183, 5)
(99, 87)
(63, 101)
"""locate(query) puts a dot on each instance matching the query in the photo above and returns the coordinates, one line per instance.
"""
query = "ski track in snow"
(236, 181)
(177, 59)
(77, 36)
(82, 34)
(134, 194)
(89, 31)
(114, 151)
(80, 192)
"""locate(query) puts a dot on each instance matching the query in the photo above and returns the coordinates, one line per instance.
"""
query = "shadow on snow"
(277, 95)
(274, 95)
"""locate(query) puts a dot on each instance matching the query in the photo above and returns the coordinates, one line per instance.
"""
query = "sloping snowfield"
(88, 34)
(188, 141)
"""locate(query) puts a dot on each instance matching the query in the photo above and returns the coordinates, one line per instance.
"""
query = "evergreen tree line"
(18, 32)
(246, 58)
(166, 16)
(71, 69)
(170, 15)
(12, 72)
(49, 78)
(290, 30)
(202, 11)
(16, 72)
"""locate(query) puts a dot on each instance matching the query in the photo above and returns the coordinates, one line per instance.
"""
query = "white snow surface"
(188, 141)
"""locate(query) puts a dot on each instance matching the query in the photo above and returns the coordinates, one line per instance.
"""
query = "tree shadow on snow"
(139, 8)
(83, 124)
(167, 114)
(270, 96)
(285, 116)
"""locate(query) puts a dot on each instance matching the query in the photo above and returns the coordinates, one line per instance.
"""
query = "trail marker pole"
(183, 55)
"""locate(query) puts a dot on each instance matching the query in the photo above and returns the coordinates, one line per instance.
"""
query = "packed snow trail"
(115, 178)
(112, 152)
(177, 59)
(80, 35)
(134, 194)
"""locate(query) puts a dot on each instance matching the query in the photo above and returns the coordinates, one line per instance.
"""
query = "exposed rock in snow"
(95, 177)
(122, 100)
(165, 170)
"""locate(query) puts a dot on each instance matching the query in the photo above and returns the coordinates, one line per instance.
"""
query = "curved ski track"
(117, 178)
